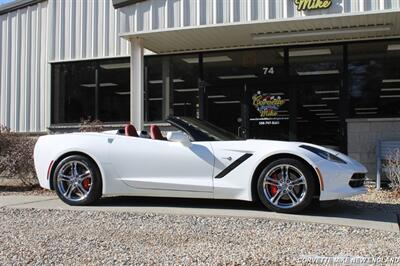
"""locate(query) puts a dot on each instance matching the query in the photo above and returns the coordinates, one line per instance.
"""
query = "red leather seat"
(130, 130)
(155, 133)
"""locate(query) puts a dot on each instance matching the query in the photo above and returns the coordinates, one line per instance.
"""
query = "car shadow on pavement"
(6, 188)
(361, 210)
(125, 201)
(368, 211)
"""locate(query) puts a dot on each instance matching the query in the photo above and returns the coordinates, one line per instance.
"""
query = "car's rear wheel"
(77, 180)
(286, 185)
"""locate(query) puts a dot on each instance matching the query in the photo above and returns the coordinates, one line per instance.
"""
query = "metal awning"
(315, 29)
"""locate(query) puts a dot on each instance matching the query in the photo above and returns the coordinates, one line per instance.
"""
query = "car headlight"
(324, 154)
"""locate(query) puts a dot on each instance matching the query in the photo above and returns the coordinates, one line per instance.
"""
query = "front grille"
(357, 180)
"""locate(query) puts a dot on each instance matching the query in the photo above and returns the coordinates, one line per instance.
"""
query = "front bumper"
(339, 179)
(341, 193)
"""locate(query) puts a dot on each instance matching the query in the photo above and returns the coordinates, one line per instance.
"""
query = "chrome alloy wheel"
(285, 186)
(74, 180)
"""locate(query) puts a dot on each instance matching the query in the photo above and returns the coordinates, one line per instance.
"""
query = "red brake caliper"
(273, 189)
(86, 183)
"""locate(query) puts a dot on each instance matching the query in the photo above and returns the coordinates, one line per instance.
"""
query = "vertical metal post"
(202, 98)
(378, 165)
(96, 93)
(344, 101)
(244, 113)
(146, 95)
(292, 98)
(166, 86)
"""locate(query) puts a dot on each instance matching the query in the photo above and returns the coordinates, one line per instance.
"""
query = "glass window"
(317, 117)
(230, 76)
(73, 97)
(77, 94)
(155, 82)
(316, 62)
(114, 91)
(316, 75)
(185, 97)
(171, 86)
(374, 79)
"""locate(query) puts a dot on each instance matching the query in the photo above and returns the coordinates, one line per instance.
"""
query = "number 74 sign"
(268, 70)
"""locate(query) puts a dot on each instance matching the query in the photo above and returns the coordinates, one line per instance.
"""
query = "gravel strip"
(83, 237)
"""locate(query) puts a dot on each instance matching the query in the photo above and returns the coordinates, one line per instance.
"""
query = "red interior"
(155, 133)
(130, 130)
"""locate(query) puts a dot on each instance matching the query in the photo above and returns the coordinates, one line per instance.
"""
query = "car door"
(163, 165)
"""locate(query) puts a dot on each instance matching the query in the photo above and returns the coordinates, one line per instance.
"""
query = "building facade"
(321, 71)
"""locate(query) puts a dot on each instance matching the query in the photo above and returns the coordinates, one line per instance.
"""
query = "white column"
(137, 83)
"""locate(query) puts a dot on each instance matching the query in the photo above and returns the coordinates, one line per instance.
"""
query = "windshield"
(201, 130)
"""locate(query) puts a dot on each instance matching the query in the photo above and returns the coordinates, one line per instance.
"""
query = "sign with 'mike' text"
(267, 107)
(305, 5)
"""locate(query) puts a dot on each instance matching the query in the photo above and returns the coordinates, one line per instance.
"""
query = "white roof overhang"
(315, 29)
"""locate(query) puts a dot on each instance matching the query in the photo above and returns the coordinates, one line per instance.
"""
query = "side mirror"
(177, 136)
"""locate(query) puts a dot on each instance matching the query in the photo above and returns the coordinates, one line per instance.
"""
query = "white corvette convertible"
(198, 160)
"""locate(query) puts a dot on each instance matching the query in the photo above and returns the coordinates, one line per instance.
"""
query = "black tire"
(95, 190)
(309, 187)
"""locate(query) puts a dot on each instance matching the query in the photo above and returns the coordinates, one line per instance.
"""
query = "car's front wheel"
(77, 180)
(286, 185)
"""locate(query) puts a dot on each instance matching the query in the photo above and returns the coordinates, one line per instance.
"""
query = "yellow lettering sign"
(304, 5)
(259, 100)
(266, 105)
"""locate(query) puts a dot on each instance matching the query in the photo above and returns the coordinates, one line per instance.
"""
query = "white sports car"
(198, 160)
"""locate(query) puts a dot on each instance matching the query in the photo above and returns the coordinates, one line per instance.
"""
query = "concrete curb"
(342, 215)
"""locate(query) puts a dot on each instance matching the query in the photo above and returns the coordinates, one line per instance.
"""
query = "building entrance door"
(249, 109)
(279, 94)
(268, 110)
(306, 109)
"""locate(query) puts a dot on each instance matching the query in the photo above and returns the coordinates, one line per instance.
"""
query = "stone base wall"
(364, 134)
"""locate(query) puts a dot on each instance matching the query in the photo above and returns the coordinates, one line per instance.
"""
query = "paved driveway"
(349, 213)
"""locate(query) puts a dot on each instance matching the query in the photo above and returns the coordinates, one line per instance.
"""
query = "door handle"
(227, 158)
